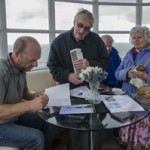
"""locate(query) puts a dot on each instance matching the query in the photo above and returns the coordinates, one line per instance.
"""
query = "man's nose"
(35, 63)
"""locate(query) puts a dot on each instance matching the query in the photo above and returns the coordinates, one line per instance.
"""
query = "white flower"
(93, 74)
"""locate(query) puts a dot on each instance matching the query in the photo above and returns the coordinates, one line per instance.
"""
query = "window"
(64, 19)
(28, 14)
(145, 16)
(118, 1)
(116, 18)
(45, 19)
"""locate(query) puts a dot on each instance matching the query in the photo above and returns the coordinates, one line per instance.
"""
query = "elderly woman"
(138, 55)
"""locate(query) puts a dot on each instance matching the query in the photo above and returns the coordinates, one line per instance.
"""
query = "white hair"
(144, 30)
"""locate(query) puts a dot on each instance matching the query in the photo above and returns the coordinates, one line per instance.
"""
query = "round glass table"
(101, 120)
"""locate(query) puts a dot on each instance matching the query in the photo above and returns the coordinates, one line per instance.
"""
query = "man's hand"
(74, 78)
(81, 63)
(38, 102)
(37, 94)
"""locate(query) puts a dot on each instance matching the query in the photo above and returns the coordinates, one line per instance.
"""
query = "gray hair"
(21, 43)
(108, 37)
(84, 11)
(140, 29)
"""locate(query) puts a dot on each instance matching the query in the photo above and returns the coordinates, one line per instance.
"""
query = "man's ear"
(16, 52)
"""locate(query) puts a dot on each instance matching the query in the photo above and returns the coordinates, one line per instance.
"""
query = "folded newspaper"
(75, 55)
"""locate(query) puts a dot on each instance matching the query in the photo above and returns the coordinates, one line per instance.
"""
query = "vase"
(94, 95)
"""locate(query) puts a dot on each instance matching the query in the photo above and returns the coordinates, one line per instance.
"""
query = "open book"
(75, 55)
(121, 103)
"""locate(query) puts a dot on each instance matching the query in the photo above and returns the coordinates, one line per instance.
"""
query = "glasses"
(81, 26)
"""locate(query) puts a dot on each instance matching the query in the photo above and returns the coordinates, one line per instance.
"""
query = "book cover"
(75, 55)
(122, 116)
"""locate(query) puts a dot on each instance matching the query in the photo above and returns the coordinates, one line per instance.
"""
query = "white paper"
(76, 109)
(81, 92)
(117, 91)
(58, 95)
(121, 103)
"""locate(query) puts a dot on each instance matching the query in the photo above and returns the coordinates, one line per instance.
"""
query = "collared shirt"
(12, 82)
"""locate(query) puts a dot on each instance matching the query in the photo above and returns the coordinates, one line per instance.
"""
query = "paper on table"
(58, 95)
(77, 109)
(121, 103)
(81, 92)
(117, 91)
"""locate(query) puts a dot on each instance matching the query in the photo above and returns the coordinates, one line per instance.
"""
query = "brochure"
(121, 103)
(77, 109)
(75, 55)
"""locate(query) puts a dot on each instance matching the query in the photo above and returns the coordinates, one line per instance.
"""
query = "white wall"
(122, 48)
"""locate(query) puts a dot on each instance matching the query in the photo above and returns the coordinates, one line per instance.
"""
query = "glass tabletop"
(101, 120)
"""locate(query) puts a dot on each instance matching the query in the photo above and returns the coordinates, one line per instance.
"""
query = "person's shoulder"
(114, 50)
(62, 36)
(95, 37)
(94, 34)
(2, 62)
(3, 66)
(148, 48)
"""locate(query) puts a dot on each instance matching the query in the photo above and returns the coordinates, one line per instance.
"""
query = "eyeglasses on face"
(81, 26)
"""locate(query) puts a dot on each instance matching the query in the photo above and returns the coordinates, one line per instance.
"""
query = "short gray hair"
(144, 30)
(21, 43)
(84, 11)
(109, 37)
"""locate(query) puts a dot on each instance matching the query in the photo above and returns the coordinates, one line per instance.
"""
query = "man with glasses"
(80, 36)
(61, 66)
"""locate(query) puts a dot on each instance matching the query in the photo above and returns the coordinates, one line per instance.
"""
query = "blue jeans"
(27, 133)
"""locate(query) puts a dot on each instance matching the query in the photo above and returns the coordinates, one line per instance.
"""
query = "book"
(77, 109)
(121, 103)
(75, 55)
(122, 116)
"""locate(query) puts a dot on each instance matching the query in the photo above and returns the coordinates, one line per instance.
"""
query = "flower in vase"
(93, 74)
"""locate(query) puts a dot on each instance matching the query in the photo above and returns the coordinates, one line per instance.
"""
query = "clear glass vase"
(94, 96)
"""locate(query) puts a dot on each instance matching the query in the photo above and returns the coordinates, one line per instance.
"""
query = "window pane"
(27, 14)
(85, 0)
(118, 1)
(145, 16)
(65, 12)
(146, 1)
(43, 40)
(121, 43)
(116, 17)
(0, 45)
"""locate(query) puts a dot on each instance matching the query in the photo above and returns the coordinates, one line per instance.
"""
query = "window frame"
(51, 16)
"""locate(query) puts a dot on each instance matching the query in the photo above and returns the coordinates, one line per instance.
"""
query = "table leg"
(91, 145)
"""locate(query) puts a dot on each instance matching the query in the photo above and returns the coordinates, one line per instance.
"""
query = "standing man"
(80, 36)
(20, 126)
(61, 66)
